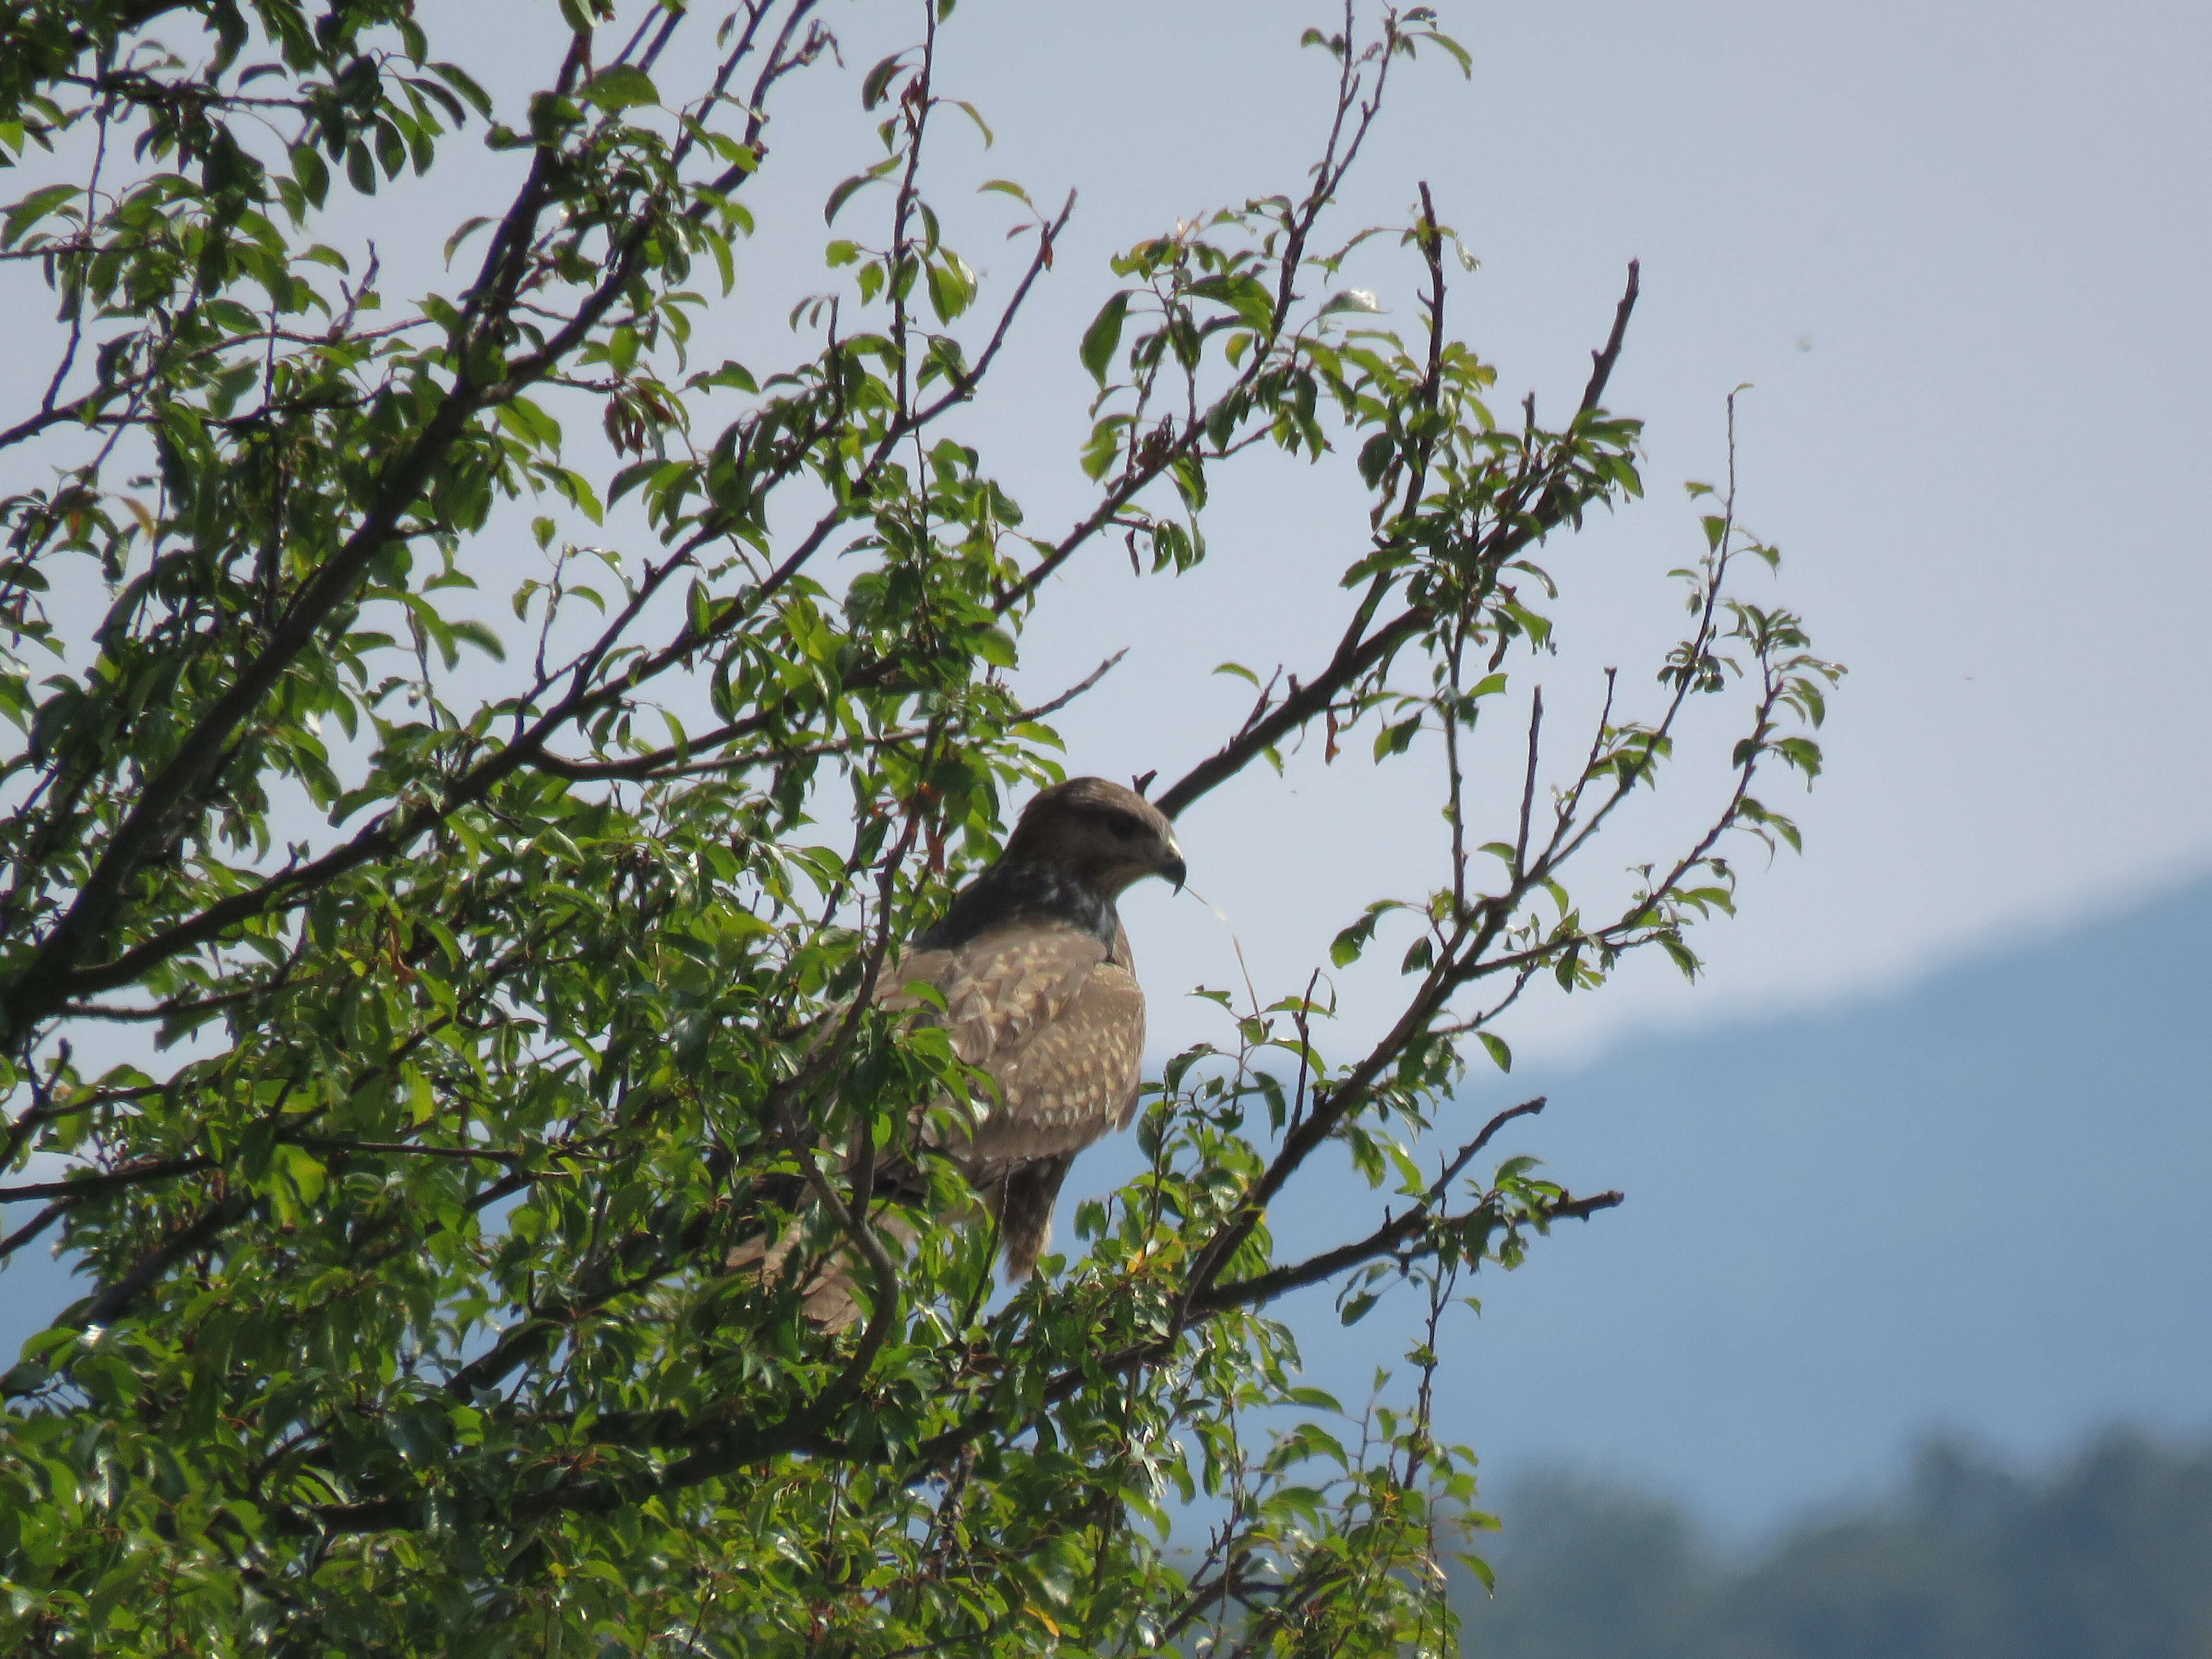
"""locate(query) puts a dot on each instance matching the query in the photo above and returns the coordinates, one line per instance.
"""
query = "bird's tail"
(1021, 1202)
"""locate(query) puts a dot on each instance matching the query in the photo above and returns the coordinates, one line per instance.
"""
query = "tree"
(2102, 1553)
(506, 983)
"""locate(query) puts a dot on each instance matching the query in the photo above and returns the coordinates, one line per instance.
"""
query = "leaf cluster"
(505, 979)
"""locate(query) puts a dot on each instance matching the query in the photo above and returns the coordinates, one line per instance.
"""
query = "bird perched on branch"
(1040, 992)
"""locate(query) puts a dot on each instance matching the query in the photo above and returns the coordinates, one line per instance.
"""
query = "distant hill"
(1980, 1203)
(2106, 1557)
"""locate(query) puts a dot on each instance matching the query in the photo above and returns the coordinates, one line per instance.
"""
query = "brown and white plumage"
(1041, 993)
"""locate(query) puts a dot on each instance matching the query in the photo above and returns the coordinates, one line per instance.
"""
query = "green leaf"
(1396, 739)
(1458, 53)
(459, 80)
(312, 176)
(877, 82)
(846, 191)
(1008, 187)
(468, 228)
(621, 86)
(1104, 335)
(31, 208)
(951, 287)
(480, 636)
(1103, 447)
(977, 116)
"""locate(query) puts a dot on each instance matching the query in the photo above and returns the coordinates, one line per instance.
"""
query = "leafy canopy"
(504, 983)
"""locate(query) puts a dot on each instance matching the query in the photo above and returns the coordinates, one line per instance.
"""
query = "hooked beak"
(1174, 869)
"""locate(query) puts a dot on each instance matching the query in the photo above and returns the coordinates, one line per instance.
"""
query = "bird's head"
(1104, 835)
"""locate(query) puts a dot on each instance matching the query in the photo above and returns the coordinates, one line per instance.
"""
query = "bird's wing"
(1000, 987)
(1074, 1078)
(1058, 1025)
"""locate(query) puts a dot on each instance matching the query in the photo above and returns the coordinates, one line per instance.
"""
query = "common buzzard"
(1040, 993)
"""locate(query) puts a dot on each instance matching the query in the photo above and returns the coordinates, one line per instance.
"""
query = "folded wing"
(1057, 1020)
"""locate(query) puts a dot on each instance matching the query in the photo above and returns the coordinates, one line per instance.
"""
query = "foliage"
(506, 981)
(2103, 1555)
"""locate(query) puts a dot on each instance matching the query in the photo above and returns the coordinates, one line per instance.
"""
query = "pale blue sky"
(1958, 251)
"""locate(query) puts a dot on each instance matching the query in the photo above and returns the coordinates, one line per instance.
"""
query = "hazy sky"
(1957, 251)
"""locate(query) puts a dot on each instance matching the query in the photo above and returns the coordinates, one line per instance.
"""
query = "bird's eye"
(1124, 826)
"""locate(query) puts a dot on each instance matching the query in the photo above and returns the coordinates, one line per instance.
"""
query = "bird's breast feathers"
(1053, 1015)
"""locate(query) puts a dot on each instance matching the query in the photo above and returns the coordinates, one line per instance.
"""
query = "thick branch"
(76, 1188)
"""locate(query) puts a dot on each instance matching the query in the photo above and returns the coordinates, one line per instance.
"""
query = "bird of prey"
(1040, 993)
